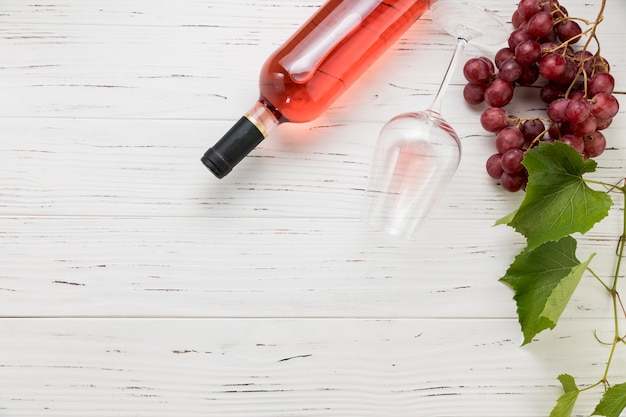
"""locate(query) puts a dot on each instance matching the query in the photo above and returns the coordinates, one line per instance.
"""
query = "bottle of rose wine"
(303, 77)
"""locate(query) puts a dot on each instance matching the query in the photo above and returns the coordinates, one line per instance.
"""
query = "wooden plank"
(180, 72)
(147, 71)
(273, 368)
(152, 168)
(178, 267)
(61, 167)
(221, 13)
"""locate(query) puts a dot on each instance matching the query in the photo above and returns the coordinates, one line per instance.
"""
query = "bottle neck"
(240, 140)
(264, 117)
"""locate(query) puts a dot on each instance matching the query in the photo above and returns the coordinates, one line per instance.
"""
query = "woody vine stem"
(612, 289)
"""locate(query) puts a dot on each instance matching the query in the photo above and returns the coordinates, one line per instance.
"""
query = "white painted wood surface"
(133, 283)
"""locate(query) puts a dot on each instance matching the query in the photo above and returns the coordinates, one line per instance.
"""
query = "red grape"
(566, 128)
(568, 31)
(477, 71)
(513, 182)
(604, 106)
(528, 8)
(509, 138)
(602, 124)
(554, 131)
(553, 66)
(595, 145)
(602, 82)
(503, 55)
(571, 70)
(551, 6)
(599, 64)
(575, 142)
(517, 19)
(550, 37)
(551, 91)
(549, 47)
(556, 110)
(576, 94)
(528, 52)
(530, 74)
(532, 129)
(510, 70)
(584, 58)
(518, 36)
(512, 161)
(494, 119)
(560, 12)
(586, 127)
(577, 110)
(540, 24)
(474, 93)
(489, 63)
(494, 166)
(499, 93)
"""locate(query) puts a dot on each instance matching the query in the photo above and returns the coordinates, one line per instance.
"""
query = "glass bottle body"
(330, 52)
(322, 59)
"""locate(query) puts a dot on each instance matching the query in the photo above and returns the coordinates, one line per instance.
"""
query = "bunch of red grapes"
(575, 86)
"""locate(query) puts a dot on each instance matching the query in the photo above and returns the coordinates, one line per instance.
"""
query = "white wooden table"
(134, 283)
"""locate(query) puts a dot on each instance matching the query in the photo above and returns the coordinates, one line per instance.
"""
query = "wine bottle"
(304, 76)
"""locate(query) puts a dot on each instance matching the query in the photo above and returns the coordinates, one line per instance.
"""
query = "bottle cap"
(238, 142)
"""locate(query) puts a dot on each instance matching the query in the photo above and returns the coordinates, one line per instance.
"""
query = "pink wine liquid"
(331, 51)
(314, 67)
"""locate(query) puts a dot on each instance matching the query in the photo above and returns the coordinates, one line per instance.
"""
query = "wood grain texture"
(184, 367)
(133, 283)
(71, 266)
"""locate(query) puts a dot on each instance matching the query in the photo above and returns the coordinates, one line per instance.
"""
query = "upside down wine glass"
(418, 153)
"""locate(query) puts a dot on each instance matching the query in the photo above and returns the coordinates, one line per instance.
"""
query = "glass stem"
(456, 56)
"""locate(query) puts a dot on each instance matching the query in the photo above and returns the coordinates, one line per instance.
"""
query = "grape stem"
(517, 121)
(592, 36)
(597, 277)
(538, 139)
(609, 187)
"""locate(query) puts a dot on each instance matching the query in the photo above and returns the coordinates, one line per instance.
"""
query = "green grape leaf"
(568, 382)
(557, 202)
(613, 402)
(566, 402)
(544, 280)
(507, 219)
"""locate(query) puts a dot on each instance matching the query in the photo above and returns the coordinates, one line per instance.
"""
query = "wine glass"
(418, 153)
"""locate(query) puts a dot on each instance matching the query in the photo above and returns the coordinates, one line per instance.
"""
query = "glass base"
(469, 21)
